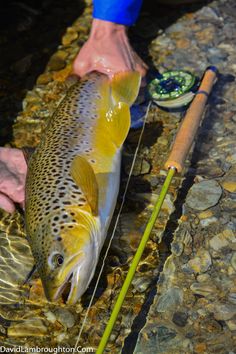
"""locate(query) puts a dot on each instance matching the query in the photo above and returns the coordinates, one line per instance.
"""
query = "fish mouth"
(63, 289)
(68, 287)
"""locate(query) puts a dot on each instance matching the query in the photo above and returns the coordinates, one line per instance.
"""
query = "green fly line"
(135, 262)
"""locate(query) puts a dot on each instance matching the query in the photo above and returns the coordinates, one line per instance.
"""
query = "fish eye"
(57, 260)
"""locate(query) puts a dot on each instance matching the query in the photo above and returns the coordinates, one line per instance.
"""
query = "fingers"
(6, 203)
(13, 171)
(140, 66)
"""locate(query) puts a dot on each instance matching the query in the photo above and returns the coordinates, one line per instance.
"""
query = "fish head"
(69, 260)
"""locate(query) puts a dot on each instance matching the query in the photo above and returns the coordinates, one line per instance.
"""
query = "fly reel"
(173, 89)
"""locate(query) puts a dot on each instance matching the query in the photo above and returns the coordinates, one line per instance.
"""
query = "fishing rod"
(174, 164)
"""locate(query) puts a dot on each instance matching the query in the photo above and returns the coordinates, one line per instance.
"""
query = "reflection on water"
(15, 259)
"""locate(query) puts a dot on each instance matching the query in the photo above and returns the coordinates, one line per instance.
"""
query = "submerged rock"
(141, 284)
(70, 36)
(204, 289)
(223, 312)
(172, 298)
(233, 260)
(180, 318)
(232, 297)
(218, 242)
(204, 195)
(229, 182)
(201, 262)
(141, 167)
(161, 339)
(57, 60)
(65, 317)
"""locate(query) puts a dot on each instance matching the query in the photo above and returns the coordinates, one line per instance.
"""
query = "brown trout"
(73, 181)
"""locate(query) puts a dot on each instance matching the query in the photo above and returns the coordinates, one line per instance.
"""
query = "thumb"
(6, 203)
(81, 68)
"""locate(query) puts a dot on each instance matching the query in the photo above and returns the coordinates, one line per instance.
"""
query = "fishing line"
(115, 226)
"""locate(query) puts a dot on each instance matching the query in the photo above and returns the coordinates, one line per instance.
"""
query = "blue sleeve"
(123, 12)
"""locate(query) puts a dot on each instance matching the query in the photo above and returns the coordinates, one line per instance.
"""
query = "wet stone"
(177, 248)
(200, 348)
(141, 166)
(169, 270)
(172, 298)
(50, 316)
(231, 325)
(233, 260)
(223, 312)
(215, 55)
(158, 337)
(65, 317)
(44, 78)
(201, 263)
(204, 289)
(229, 182)
(204, 195)
(231, 158)
(180, 318)
(57, 61)
(69, 37)
(207, 13)
(232, 297)
(201, 278)
(218, 242)
(229, 186)
(208, 221)
(141, 284)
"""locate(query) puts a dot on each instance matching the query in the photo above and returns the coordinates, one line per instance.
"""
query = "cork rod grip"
(191, 122)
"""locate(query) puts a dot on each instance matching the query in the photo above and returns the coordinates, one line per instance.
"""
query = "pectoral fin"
(118, 123)
(84, 176)
(125, 87)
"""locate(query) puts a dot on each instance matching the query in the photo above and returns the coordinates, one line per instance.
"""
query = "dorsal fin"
(125, 87)
(114, 123)
(84, 176)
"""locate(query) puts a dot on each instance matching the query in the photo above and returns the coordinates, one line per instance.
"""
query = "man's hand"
(107, 51)
(13, 170)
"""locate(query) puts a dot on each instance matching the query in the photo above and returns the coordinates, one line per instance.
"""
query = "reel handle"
(191, 122)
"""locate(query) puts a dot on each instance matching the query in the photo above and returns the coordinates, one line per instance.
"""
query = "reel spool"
(173, 89)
